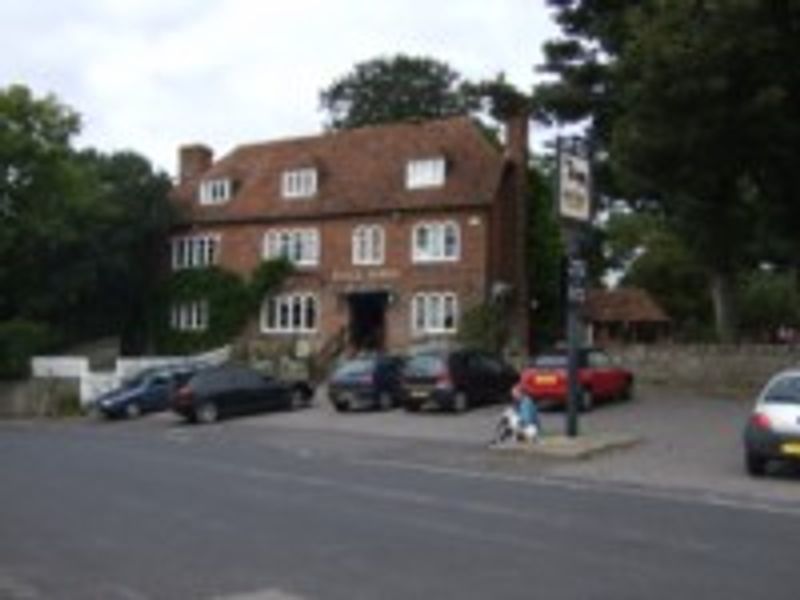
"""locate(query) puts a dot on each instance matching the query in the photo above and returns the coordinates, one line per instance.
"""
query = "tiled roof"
(359, 170)
(631, 305)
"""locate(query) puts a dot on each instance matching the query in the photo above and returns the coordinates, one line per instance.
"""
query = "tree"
(125, 246)
(38, 185)
(770, 301)
(544, 261)
(650, 256)
(79, 232)
(687, 97)
(399, 88)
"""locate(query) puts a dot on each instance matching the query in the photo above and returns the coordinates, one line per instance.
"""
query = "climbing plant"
(231, 300)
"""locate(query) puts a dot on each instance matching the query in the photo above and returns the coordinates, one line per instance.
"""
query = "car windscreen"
(785, 390)
(550, 361)
(354, 368)
(425, 365)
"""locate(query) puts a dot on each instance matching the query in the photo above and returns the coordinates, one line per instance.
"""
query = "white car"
(773, 430)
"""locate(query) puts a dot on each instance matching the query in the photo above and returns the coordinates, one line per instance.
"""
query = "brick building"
(395, 230)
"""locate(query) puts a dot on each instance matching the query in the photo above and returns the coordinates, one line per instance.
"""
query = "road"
(155, 510)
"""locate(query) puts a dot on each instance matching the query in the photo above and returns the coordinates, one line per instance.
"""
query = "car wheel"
(207, 413)
(297, 399)
(341, 406)
(585, 400)
(132, 411)
(756, 465)
(385, 401)
(460, 402)
(411, 407)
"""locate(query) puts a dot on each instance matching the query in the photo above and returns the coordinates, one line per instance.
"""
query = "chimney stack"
(193, 161)
(516, 133)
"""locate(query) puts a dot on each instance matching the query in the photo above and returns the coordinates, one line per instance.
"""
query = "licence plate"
(419, 393)
(544, 379)
(791, 449)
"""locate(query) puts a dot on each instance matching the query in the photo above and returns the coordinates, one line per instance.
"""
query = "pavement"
(569, 447)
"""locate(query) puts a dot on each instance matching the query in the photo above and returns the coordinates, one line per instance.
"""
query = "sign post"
(575, 212)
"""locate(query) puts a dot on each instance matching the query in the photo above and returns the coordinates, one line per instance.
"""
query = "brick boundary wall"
(738, 371)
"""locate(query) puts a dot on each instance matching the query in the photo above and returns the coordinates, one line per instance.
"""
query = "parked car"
(599, 378)
(456, 380)
(235, 389)
(146, 392)
(773, 429)
(367, 382)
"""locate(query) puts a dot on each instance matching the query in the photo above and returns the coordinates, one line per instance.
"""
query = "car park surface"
(690, 443)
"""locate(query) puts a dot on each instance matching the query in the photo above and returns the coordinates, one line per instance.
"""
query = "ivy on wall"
(231, 302)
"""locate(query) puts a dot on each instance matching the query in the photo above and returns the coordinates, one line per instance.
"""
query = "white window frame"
(368, 245)
(195, 251)
(437, 248)
(189, 316)
(290, 313)
(299, 183)
(434, 313)
(425, 173)
(215, 191)
(300, 246)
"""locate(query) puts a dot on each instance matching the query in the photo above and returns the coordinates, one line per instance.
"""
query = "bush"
(484, 326)
(19, 341)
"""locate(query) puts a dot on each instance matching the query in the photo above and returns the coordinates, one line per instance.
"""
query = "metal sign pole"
(574, 195)
(575, 279)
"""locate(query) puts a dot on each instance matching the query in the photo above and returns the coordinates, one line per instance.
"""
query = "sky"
(151, 75)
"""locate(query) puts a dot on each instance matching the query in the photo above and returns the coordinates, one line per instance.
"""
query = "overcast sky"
(150, 75)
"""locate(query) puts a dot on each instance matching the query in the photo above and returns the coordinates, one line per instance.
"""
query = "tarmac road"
(249, 511)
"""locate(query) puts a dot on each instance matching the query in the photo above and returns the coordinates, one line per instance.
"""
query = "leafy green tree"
(653, 258)
(123, 247)
(769, 301)
(544, 260)
(38, 183)
(389, 90)
(79, 232)
(694, 104)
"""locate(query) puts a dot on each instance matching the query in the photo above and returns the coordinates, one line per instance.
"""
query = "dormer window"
(299, 183)
(425, 173)
(215, 191)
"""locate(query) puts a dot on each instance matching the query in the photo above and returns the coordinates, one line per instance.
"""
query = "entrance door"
(368, 320)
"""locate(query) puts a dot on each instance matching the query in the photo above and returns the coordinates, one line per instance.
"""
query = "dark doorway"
(368, 320)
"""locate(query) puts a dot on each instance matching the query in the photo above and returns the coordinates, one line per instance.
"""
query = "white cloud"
(150, 75)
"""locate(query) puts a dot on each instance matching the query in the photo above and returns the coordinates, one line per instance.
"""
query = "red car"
(600, 378)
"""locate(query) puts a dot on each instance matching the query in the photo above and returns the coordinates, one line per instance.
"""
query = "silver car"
(773, 430)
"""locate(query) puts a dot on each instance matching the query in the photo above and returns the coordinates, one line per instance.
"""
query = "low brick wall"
(734, 370)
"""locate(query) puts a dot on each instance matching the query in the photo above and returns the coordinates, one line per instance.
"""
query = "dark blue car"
(148, 391)
(366, 382)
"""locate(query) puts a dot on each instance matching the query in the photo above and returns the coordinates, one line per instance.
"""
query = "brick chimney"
(193, 161)
(516, 133)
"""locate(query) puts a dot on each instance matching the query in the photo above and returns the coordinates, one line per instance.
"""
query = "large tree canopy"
(400, 88)
(697, 106)
(78, 231)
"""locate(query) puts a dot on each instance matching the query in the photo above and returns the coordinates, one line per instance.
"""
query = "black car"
(146, 392)
(456, 380)
(234, 389)
(367, 382)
